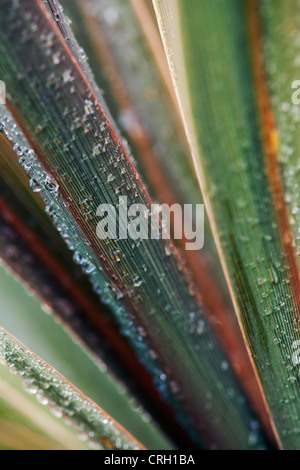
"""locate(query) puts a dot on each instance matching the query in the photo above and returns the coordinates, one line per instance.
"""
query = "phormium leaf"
(229, 116)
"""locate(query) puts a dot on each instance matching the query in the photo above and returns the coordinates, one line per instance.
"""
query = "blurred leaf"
(22, 315)
(89, 421)
(277, 33)
(142, 106)
(26, 424)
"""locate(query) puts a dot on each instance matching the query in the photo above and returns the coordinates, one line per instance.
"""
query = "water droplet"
(168, 249)
(35, 185)
(137, 282)
(88, 108)
(117, 256)
(110, 178)
(224, 365)
(68, 76)
(17, 149)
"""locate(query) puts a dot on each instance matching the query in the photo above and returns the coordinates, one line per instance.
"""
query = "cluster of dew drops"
(90, 423)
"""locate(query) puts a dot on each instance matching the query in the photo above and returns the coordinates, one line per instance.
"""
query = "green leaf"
(89, 421)
(26, 424)
(220, 80)
(22, 315)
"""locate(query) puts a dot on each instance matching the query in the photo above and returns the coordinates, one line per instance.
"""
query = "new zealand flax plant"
(111, 106)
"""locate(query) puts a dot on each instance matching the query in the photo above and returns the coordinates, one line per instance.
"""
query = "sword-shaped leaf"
(218, 60)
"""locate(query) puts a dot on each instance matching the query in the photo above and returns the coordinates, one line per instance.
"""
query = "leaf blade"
(65, 399)
(260, 276)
